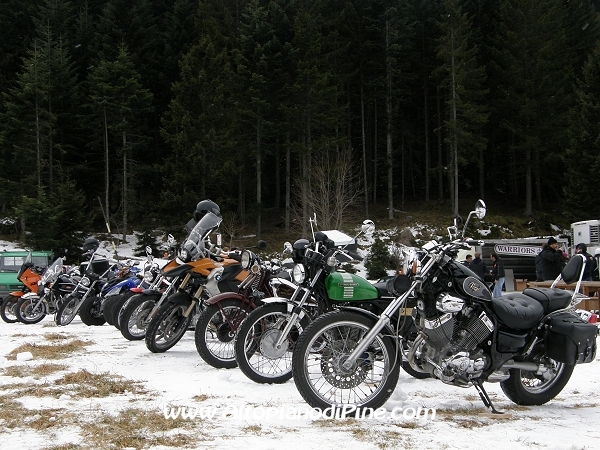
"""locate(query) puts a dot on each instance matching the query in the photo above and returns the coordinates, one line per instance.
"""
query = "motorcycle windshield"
(194, 243)
(53, 271)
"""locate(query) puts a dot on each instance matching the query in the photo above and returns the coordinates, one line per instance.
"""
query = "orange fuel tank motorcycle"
(29, 275)
(197, 273)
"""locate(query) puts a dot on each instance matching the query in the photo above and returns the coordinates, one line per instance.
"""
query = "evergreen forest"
(127, 110)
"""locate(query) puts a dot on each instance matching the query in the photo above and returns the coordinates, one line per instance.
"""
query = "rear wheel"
(532, 388)
(255, 345)
(30, 310)
(90, 311)
(133, 319)
(167, 327)
(8, 309)
(216, 329)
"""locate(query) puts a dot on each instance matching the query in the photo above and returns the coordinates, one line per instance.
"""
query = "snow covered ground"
(102, 391)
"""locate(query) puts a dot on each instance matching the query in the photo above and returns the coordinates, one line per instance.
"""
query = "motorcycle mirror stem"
(480, 210)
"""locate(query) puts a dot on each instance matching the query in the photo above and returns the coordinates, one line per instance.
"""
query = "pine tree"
(464, 81)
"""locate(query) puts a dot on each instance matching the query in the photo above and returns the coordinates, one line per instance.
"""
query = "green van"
(10, 264)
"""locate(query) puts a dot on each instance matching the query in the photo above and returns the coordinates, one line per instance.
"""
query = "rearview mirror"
(480, 209)
(368, 227)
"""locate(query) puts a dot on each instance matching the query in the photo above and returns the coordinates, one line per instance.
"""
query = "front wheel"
(215, 332)
(67, 310)
(133, 319)
(255, 345)
(30, 310)
(90, 311)
(319, 371)
(167, 327)
(8, 309)
(531, 388)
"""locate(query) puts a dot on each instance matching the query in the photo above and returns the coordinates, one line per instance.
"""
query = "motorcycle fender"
(271, 300)
(224, 296)
(180, 298)
(17, 294)
(147, 291)
(364, 312)
(31, 295)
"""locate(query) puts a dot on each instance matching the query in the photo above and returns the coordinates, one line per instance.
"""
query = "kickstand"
(487, 401)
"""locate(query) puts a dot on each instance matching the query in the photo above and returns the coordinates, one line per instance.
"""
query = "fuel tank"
(343, 286)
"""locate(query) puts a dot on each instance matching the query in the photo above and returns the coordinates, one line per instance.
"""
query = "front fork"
(297, 311)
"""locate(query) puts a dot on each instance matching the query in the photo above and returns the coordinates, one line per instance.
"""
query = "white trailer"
(587, 232)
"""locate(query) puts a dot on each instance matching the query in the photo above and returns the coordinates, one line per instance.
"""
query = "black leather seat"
(551, 299)
(518, 311)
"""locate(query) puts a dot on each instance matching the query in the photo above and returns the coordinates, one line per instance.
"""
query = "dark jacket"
(478, 266)
(590, 263)
(552, 263)
(498, 269)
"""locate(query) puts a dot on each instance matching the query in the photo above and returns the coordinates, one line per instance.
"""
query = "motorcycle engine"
(450, 349)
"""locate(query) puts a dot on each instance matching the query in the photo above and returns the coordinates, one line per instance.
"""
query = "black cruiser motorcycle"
(529, 341)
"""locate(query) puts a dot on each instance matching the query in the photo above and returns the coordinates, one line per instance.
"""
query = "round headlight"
(298, 274)
(85, 281)
(246, 259)
(148, 276)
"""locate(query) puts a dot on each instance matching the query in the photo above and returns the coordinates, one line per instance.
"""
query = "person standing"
(590, 262)
(552, 260)
(468, 261)
(498, 274)
(478, 266)
(539, 273)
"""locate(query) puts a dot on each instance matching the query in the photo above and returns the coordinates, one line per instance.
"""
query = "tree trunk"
(364, 151)
(288, 184)
(106, 171)
(440, 165)
(388, 101)
(125, 206)
(258, 178)
(426, 124)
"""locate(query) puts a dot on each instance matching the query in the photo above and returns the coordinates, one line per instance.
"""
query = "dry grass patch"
(202, 397)
(64, 447)
(254, 429)
(41, 370)
(14, 415)
(55, 337)
(87, 384)
(137, 428)
(50, 351)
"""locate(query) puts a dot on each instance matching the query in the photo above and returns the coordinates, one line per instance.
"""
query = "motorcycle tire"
(132, 320)
(324, 345)
(215, 332)
(67, 310)
(530, 389)
(118, 308)
(8, 309)
(90, 311)
(108, 308)
(167, 327)
(255, 354)
(28, 313)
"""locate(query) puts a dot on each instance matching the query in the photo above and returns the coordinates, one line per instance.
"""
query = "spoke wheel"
(256, 354)
(67, 310)
(8, 308)
(167, 327)
(319, 371)
(134, 316)
(30, 310)
(216, 329)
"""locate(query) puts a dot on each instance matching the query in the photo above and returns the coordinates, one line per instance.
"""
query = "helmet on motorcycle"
(204, 207)
(90, 244)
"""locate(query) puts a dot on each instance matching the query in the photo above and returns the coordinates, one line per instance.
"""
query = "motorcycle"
(114, 305)
(29, 275)
(199, 272)
(91, 311)
(95, 273)
(266, 339)
(529, 342)
(221, 318)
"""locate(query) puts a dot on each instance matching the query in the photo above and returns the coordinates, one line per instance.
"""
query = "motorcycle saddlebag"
(569, 339)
